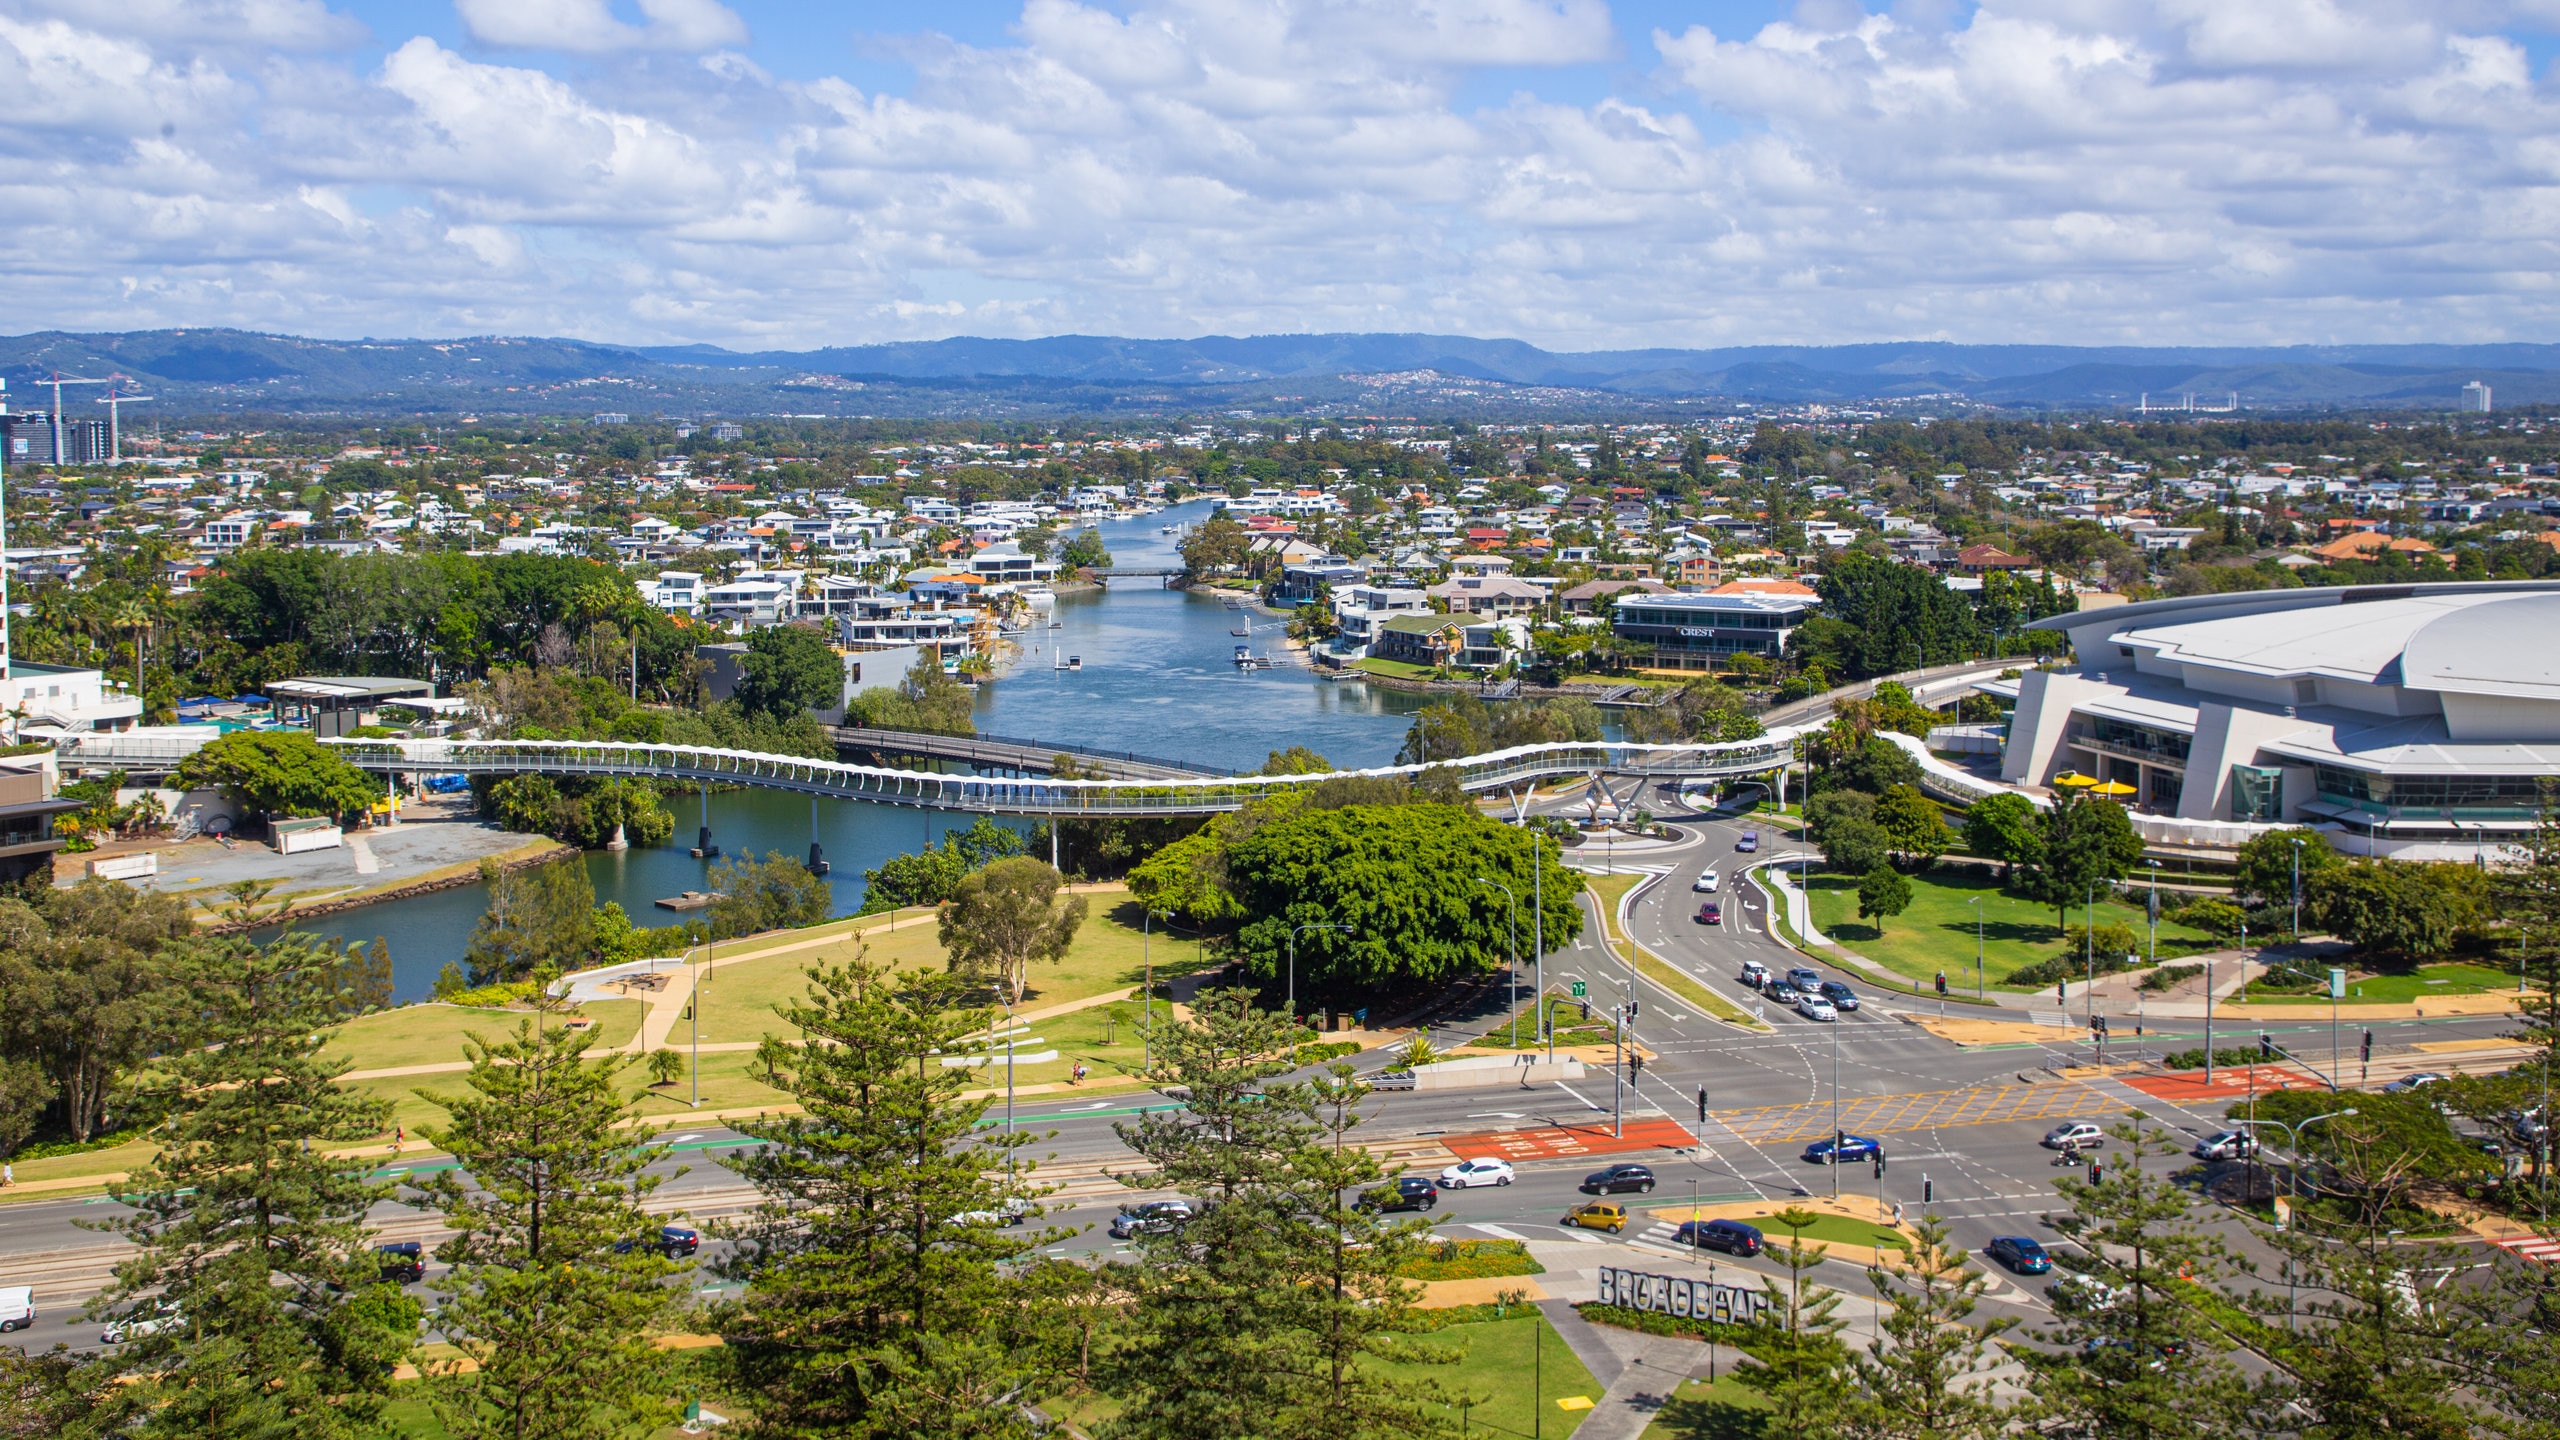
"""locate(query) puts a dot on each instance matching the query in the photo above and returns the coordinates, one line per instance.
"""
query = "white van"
(17, 1307)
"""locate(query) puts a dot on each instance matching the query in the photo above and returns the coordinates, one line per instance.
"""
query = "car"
(1484, 1170)
(2078, 1134)
(1606, 1215)
(674, 1241)
(1805, 978)
(2084, 1292)
(1706, 882)
(1154, 1217)
(2416, 1080)
(140, 1324)
(401, 1261)
(1754, 974)
(1749, 843)
(1711, 914)
(1013, 1211)
(2019, 1253)
(1814, 1007)
(2226, 1145)
(1410, 1192)
(1617, 1178)
(1851, 1147)
(1730, 1236)
(1780, 991)
(17, 1307)
(1840, 995)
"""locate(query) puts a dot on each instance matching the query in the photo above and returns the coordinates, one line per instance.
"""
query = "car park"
(1840, 995)
(401, 1261)
(1409, 1192)
(2078, 1134)
(1619, 1178)
(1606, 1215)
(2020, 1253)
(1754, 974)
(1711, 914)
(1730, 1236)
(2226, 1145)
(1484, 1170)
(1814, 1007)
(1749, 843)
(1706, 882)
(1154, 1217)
(1851, 1147)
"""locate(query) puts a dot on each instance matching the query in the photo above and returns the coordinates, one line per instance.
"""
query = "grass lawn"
(1833, 1230)
(433, 1034)
(407, 1412)
(1508, 1383)
(1394, 669)
(2425, 983)
(1937, 932)
(1725, 1410)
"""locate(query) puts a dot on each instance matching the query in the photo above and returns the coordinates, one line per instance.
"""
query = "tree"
(1084, 550)
(926, 702)
(1402, 878)
(1215, 546)
(788, 669)
(539, 919)
(554, 1284)
(774, 893)
(2086, 843)
(875, 1305)
(1855, 846)
(90, 986)
(277, 772)
(1296, 760)
(1006, 918)
(1895, 616)
(1798, 1355)
(2266, 868)
(1883, 892)
(665, 1067)
(1188, 877)
(1929, 1381)
(1914, 824)
(2397, 907)
(2003, 827)
(248, 1227)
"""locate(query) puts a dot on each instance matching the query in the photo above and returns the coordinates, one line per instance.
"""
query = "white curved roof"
(2507, 646)
(2353, 642)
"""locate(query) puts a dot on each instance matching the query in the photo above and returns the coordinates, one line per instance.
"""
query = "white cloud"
(2036, 170)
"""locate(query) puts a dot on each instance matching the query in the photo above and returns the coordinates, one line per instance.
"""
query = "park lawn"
(430, 1034)
(1511, 1369)
(1393, 669)
(122, 1159)
(1829, 1229)
(1937, 932)
(2427, 982)
(1698, 1410)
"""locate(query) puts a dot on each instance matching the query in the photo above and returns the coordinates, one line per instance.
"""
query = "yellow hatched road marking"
(1884, 1114)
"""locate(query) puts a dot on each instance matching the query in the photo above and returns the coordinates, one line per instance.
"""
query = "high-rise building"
(29, 440)
(2475, 398)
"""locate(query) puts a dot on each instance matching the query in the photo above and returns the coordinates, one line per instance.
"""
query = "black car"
(1410, 1192)
(402, 1261)
(2019, 1253)
(674, 1241)
(1617, 1178)
(1730, 1236)
(1842, 998)
(1153, 1217)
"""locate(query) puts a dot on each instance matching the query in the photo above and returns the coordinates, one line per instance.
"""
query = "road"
(1960, 1125)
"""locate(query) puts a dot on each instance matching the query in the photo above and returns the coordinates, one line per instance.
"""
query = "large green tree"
(2085, 845)
(278, 772)
(1893, 616)
(788, 669)
(2397, 908)
(1926, 1375)
(91, 985)
(1006, 918)
(774, 893)
(926, 702)
(538, 919)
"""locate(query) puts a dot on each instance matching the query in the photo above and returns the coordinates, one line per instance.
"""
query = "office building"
(2475, 398)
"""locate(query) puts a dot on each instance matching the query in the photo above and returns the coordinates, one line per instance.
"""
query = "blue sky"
(1579, 173)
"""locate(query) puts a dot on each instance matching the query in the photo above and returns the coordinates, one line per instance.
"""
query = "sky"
(1575, 173)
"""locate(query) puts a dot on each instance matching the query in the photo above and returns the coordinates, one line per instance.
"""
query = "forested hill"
(230, 371)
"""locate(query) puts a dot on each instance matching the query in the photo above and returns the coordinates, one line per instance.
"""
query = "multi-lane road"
(1960, 1125)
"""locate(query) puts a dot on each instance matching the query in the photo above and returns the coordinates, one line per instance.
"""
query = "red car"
(1710, 914)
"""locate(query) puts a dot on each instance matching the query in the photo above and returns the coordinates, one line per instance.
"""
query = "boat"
(1075, 662)
(1170, 530)
(1241, 630)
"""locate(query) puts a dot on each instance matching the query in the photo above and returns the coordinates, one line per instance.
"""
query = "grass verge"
(1937, 932)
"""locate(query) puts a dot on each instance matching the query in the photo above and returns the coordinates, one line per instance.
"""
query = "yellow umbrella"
(2112, 789)
(2074, 779)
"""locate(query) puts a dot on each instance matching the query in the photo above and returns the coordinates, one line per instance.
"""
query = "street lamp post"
(2297, 890)
(1293, 960)
(1538, 934)
(2293, 1142)
(1515, 954)
(1976, 903)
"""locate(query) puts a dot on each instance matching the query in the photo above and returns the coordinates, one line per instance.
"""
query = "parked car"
(2019, 1253)
(1706, 882)
(1851, 1147)
(1484, 1170)
(1606, 1215)
(17, 1307)
(2078, 1134)
(1410, 1192)
(1618, 1178)
(1814, 1007)
(2226, 1145)
(2415, 1080)
(1754, 974)
(1749, 843)
(402, 1261)
(1805, 977)
(1730, 1236)
(1154, 1217)
(1840, 995)
(1711, 914)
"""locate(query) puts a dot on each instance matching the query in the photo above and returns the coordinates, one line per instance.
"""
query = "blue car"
(1851, 1147)
(2020, 1254)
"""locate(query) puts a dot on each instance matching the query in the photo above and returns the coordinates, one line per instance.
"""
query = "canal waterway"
(1158, 678)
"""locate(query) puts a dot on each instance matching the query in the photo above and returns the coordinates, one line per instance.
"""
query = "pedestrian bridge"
(1494, 773)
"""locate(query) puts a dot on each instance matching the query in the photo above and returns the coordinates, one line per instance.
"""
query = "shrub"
(2233, 1055)
(1472, 1260)
(2169, 976)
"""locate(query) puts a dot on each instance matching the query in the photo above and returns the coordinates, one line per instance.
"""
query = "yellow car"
(1606, 1215)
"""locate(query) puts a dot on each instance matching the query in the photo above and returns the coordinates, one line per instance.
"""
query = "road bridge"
(997, 754)
(1502, 771)
(1164, 574)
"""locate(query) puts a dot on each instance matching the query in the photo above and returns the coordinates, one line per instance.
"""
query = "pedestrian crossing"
(2533, 1247)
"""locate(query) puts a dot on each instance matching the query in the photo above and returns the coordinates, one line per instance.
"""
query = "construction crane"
(115, 431)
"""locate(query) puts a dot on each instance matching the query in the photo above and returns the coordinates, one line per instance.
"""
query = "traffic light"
(2266, 1046)
(1634, 1008)
(1586, 1010)
(1702, 1104)
(2368, 1047)
(1942, 982)
(1879, 1164)
(1928, 1190)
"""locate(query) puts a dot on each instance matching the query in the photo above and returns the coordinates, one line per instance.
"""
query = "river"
(1158, 679)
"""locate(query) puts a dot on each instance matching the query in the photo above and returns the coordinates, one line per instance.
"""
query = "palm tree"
(134, 618)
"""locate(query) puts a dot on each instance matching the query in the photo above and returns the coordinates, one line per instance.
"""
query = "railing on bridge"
(912, 742)
(1499, 770)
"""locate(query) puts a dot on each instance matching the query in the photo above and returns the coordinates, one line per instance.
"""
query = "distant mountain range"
(196, 372)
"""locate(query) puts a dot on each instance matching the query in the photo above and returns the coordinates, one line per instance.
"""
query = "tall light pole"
(1515, 954)
(1976, 902)
(1293, 960)
(1538, 934)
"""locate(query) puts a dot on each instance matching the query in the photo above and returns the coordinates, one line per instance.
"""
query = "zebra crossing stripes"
(2533, 1247)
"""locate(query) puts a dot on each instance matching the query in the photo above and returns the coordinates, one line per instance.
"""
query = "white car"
(1707, 882)
(1814, 1007)
(17, 1307)
(134, 1327)
(2079, 1134)
(1468, 1173)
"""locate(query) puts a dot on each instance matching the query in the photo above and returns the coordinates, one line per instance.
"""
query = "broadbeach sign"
(1683, 1297)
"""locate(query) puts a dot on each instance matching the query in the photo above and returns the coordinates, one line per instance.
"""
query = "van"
(17, 1307)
